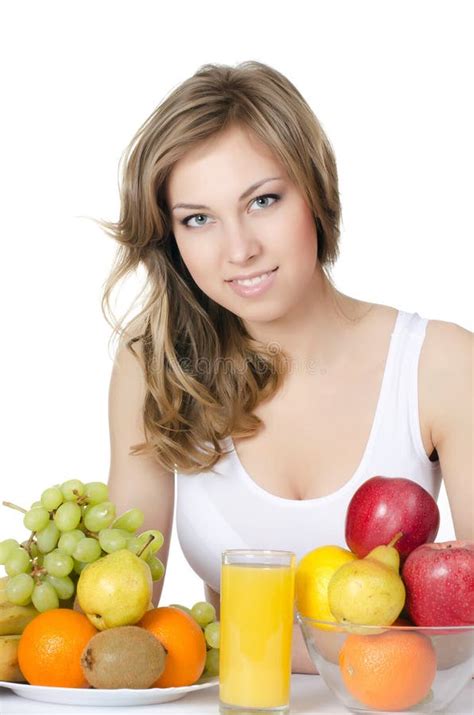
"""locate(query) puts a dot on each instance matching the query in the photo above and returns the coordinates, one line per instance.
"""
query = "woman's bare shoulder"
(445, 344)
(445, 369)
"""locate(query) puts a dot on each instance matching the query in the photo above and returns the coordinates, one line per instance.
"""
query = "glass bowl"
(375, 669)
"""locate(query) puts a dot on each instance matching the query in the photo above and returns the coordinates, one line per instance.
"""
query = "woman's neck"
(317, 332)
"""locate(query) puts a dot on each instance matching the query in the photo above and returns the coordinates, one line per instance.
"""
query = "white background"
(390, 83)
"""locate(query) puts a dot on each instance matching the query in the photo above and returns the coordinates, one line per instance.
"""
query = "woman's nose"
(240, 243)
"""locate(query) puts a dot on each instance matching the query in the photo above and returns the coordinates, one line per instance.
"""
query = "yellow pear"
(115, 590)
(369, 591)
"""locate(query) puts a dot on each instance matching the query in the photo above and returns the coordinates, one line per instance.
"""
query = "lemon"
(313, 573)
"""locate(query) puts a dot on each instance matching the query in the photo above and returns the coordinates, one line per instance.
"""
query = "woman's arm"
(451, 405)
(136, 481)
(300, 659)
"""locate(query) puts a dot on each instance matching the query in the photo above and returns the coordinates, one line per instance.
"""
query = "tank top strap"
(400, 430)
(417, 332)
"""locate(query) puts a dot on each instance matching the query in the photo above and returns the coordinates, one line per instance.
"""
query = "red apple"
(382, 507)
(439, 581)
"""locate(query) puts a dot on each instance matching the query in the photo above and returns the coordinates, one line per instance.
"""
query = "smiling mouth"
(258, 277)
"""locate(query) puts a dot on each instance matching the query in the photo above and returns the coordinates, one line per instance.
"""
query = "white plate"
(90, 696)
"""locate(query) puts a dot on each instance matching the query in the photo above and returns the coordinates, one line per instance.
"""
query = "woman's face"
(232, 231)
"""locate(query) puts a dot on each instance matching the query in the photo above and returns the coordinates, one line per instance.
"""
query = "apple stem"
(14, 506)
(396, 538)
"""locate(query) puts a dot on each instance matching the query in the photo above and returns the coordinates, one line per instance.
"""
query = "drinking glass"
(256, 621)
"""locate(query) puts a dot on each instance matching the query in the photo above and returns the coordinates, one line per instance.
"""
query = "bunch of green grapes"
(204, 614)
(72, 525)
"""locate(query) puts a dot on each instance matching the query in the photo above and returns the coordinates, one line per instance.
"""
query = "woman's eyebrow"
(246, 193)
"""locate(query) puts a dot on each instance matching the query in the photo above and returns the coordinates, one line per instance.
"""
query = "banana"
(3, 589)
(9, 668)
(13, 619)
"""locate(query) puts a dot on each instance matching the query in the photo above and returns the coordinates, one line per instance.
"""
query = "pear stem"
(14, 506)
(396, 538)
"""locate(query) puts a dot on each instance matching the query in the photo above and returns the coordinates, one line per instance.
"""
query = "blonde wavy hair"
(188, 410)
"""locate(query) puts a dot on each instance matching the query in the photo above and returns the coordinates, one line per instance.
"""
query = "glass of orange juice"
(256, 630)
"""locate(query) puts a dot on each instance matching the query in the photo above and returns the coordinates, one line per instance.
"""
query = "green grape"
(182, 608)
(6, 548)
(203, 612)
(212, 662)
(47, 538)
(124, 532)
(131, 520)
(64, 586)
(156, 567)
(212, 633)
(87, 550)
(36, 519)
(18, 562)
(96, 492)
(44, 597)
(154, 545)
(19, 589)
(84, 509)
(79, 566)
(35, 504)
(99, 516)
(51, 498)
(58, 564)
(68, 541)
(70, 487)
(68, 516)
(112, 540)
(134, 544)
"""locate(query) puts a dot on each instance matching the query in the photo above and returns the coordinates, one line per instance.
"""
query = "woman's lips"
(255, 290)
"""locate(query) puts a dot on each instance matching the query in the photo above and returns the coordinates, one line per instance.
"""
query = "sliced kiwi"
(123, 657)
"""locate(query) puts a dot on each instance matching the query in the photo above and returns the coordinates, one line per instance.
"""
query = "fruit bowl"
(391, 668)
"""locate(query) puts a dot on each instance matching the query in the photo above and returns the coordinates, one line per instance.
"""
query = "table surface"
(309, 695)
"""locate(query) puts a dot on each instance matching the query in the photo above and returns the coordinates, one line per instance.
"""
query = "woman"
(223, 374)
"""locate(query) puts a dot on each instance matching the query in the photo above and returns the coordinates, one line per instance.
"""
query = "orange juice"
(257, 609)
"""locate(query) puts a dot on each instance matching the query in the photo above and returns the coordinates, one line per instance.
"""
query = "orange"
(184, 642)
(389, 671)
(50, 648)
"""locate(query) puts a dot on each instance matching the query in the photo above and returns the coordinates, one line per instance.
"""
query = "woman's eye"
(276, 197)
(185, 221)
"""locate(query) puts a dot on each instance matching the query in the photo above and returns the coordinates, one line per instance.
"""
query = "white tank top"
(228, 510)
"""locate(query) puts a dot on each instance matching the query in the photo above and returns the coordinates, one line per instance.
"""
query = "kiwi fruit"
(123, 657)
